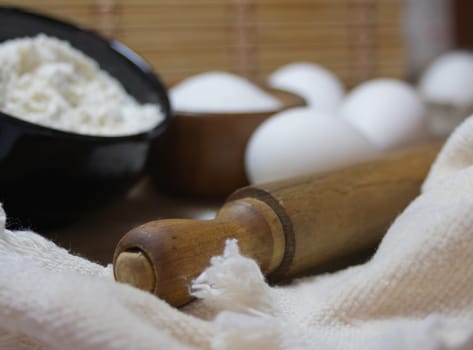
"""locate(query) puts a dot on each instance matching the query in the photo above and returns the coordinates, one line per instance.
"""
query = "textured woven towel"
(415, 293)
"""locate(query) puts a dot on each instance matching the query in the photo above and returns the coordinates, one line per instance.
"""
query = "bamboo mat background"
(357, 39)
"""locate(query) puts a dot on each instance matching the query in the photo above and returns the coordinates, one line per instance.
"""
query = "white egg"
(388, 112)
(303, 140)
(449, 80)
(319, 87)
(219, 92)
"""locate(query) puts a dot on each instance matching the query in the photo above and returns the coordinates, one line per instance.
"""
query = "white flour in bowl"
(220, 92)
(46, 81)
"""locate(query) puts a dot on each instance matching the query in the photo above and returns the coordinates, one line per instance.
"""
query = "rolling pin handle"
(163, 256)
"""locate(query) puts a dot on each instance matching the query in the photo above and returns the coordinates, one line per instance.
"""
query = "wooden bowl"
(202, 154)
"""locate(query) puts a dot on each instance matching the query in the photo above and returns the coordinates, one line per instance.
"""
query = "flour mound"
(221, 92)
(46, 81)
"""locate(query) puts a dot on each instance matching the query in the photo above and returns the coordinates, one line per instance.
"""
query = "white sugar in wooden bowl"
(221, 92)
(215, 114)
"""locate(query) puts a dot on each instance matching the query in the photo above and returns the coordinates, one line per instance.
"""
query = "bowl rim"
(117, 47)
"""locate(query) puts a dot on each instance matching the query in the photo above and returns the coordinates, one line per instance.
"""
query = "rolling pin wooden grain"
(289, 227)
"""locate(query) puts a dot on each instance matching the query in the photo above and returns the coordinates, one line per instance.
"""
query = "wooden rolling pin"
(289, 227)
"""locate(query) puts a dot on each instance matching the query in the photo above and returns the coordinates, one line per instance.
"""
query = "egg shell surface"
(303, 140)
(449, 80)
(316, 84)
(388, 112)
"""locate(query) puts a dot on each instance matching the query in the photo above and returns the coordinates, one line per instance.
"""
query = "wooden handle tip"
(133, 267)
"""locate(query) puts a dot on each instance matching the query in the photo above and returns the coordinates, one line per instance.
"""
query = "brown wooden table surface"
(96, 234)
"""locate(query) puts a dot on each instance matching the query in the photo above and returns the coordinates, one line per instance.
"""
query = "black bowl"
(49, 177)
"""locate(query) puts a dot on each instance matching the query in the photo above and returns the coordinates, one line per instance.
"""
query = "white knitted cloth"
(415, 293)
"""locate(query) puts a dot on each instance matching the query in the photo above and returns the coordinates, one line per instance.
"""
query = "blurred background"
(357, 39)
